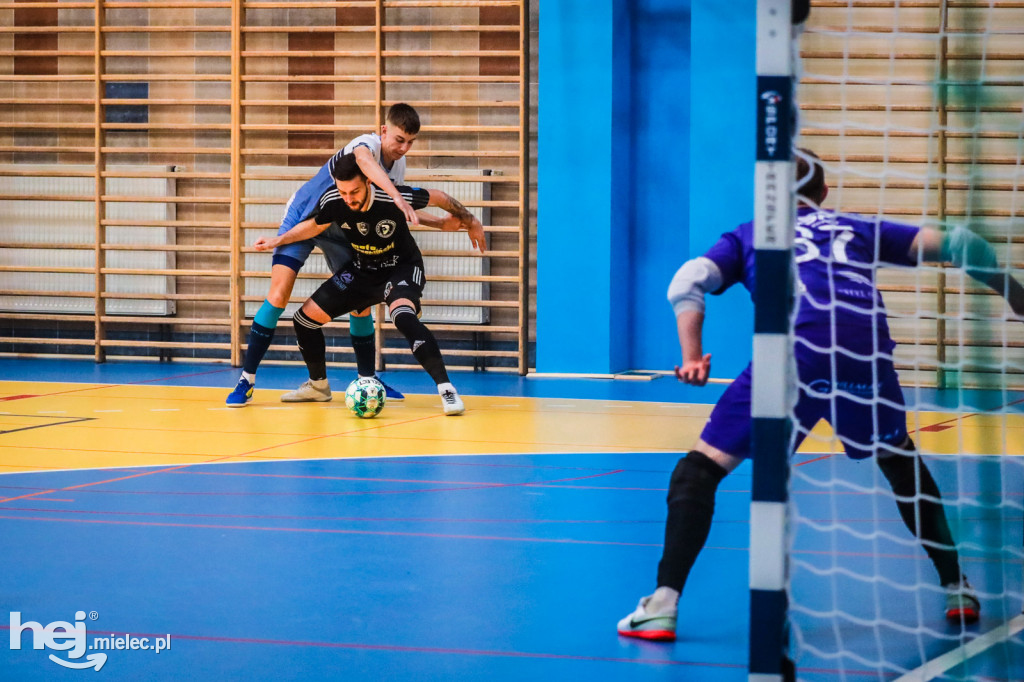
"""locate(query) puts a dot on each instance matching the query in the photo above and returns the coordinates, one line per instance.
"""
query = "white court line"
(166, 409)
(108, 410)
(949, 660)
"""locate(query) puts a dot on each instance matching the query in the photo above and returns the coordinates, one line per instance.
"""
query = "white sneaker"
(311, 391)
(450, 400)
(962, 602)
(659, 627)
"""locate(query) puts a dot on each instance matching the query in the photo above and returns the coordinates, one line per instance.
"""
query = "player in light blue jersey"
(382, 159)
(840, 320)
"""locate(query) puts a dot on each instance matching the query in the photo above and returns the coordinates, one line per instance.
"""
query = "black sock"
(424, 345)
(691, 504)
(310, 335)
(925, 518)
(365, 348)
(256, 347)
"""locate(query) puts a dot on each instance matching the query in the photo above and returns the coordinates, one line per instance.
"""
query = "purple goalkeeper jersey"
(836, 256)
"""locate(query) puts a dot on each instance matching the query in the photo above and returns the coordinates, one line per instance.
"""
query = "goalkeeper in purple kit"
(843, 354)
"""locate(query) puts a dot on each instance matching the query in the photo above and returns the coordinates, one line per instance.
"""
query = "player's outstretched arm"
(372, 170)
(686, 294)
(466, 220)
(431, 220)
(307, 229)
(974, 255)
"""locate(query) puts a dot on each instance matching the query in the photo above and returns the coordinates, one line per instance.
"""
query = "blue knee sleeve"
(360, 326)
(268, 315)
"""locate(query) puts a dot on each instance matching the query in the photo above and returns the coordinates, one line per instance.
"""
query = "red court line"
(404, 480)
(542, 484)
(412, 460)
(355, 519)
(738, 491)
(127, 383)
(341, 478)
(818, 459)
(413, 649)
(218, 459)
(967, 416)
(132, 451)
(929, 428)
(183, 376)
(92, 387)
(334, 531)
(453, 536)
(299, 493)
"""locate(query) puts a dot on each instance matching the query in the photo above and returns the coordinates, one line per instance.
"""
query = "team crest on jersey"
(364, 228)
(386, 228)
(387, 289)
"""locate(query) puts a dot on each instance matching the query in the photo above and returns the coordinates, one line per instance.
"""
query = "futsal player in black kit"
(387, 267)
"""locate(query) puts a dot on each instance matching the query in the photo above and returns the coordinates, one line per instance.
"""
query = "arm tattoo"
(455, 207)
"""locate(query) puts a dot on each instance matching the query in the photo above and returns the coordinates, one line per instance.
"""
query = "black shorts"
(337, 253)
(352, 289)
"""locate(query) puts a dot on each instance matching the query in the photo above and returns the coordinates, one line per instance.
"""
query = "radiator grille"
(73, 222)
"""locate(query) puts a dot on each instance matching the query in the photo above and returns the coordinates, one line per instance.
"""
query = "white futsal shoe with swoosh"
(660, 627)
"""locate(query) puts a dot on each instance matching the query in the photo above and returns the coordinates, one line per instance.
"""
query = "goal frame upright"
(773, 365)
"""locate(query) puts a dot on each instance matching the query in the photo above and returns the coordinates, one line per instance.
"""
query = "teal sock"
(268, 315)
(260, 335)
(360, 326)
(363, 344)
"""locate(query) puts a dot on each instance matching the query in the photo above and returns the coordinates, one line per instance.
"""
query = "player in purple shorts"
(843, 355)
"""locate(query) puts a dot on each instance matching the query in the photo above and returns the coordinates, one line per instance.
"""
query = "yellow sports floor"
(52, 426)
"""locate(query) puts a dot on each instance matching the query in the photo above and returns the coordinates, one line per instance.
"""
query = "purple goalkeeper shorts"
(862, 401)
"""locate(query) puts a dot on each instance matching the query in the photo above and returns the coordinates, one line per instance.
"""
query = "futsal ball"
(365, 397)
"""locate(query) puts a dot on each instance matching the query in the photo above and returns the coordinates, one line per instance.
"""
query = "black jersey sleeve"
(328, 207)
(417, 198)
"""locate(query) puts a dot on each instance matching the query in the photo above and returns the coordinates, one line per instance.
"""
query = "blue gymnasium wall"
(582, 197)
(623, 120)
(723, 85)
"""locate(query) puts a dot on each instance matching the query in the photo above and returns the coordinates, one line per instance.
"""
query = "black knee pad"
(696, 477)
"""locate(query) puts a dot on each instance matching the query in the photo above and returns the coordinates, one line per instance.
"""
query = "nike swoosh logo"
(633, 622)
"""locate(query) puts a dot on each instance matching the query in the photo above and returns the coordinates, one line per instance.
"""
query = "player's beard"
(362, 204)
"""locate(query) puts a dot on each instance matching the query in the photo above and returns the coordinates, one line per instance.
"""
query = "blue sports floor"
(510, 566)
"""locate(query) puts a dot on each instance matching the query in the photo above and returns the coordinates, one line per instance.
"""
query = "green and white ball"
(365, 397)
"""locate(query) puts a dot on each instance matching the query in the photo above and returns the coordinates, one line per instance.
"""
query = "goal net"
(916, 109)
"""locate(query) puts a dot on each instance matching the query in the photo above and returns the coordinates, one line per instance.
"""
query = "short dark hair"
(345, 167)
(405, 117)
(810, 176)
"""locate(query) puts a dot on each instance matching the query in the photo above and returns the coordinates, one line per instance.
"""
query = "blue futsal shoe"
(394, 395)
(242, 394)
